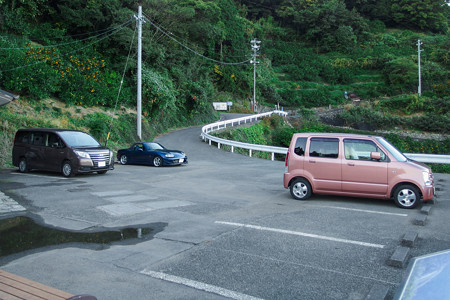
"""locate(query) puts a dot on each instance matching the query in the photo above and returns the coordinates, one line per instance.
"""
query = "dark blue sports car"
(151, 153)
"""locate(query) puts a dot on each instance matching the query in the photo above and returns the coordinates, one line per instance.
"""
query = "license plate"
(101, 164)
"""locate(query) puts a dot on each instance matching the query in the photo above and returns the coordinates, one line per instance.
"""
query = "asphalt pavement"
(224, 228)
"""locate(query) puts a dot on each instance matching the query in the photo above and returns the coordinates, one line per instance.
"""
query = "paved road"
(224, 228)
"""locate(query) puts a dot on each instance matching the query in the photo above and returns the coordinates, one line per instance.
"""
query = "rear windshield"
(78, 139)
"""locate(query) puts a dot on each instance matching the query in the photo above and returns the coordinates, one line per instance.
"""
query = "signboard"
(220, 105)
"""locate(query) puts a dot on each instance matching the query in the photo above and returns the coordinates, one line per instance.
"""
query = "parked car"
(61, 150)
(355, 165)
(151, 153)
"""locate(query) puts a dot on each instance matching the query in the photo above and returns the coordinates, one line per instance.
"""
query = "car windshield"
(394, 151)
(78, 139)
(154, 146)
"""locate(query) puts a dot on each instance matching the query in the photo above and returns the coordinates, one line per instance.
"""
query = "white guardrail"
(425, 158)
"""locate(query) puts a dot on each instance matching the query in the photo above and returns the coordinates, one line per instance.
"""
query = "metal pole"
(420, 79)
(139, 75)
(255, 47)
(254, 85)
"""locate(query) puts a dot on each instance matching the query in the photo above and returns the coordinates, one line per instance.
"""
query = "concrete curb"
(409, 239)
(399, 258)
(420, 220)
(378, 292)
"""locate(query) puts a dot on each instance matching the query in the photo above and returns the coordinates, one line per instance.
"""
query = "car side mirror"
(375, 155)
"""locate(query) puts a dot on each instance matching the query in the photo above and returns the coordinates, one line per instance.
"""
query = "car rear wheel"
(406, 196)
(23, 165)
(67, 169)
(300, 189)
(124, 159)
(157, 161)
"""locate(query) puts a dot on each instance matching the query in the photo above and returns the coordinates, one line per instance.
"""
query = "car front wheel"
(123, 159)
(406, 196)
(300, 189)
(67, 169)
(157, 161)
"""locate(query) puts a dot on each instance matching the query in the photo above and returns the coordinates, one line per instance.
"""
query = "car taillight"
(287, 158)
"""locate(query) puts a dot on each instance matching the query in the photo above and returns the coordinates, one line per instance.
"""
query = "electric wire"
(70, 52)
(194, 46)
(120, 87)
(73, 42)
(192, 50)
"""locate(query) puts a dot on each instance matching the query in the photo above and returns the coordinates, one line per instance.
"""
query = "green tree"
(325, 22)
(421, 14)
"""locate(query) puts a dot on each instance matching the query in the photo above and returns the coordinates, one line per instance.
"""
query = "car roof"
(334, 135)
(49, 129)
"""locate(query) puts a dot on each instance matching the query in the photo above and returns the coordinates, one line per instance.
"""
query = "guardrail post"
(250, 152)
(218, 145)
(273, 156)
(232, 149)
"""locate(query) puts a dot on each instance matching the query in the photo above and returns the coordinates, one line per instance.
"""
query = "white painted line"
(322, 237)
(199, 285)
(364, 210)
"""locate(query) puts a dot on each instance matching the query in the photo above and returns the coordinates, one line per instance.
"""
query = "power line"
(195, 46)
(73, 42)
(192, 50)
(76, 50)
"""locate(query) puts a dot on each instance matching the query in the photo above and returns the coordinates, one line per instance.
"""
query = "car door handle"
(312, 161)
(351, 164)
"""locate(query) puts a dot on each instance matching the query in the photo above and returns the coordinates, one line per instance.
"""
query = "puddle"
(22, 233)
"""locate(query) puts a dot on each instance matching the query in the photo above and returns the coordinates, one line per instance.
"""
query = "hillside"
(311, 54)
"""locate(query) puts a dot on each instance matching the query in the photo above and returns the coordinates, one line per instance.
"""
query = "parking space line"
(322, 237)
(364, 210)
(199, 285)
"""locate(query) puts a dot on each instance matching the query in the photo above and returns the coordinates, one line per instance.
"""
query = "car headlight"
(82, 154)
(426, 177)
(169, 155)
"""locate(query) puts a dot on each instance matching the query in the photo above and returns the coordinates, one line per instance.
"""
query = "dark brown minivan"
(61, 150)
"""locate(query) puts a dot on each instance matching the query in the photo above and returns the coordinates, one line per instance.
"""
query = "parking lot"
(224, 228)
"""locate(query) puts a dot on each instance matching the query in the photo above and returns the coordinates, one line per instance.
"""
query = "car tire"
(157, 161)
(406, 196)
(23, 165)
(67, 169)
(300, 189)
(123, 159)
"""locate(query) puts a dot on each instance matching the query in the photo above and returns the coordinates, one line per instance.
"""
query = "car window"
(360, 149)
(38, 139)
(53, 141)
(139, 147)
(23, 137)
(324, 147)
(300, 146)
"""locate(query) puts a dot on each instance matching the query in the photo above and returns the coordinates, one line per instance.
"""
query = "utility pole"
(139, 20)
(419, 43)
(255, 47)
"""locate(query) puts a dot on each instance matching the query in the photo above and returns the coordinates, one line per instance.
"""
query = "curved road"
(224, 228)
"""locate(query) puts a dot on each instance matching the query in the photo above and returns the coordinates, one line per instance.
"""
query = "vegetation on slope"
(83, 53)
